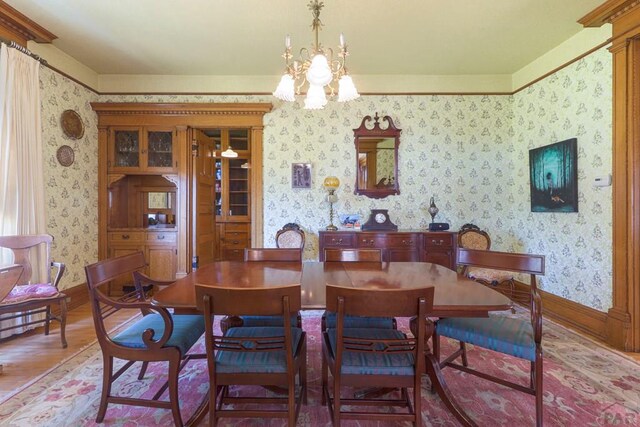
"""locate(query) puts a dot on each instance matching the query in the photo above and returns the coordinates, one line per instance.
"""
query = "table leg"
(438, 382)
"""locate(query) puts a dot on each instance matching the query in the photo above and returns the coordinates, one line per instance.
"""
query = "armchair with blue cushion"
(158, 335)
(518, 337)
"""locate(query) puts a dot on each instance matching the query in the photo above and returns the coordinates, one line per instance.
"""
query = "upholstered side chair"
(31, 296)
(290, 236)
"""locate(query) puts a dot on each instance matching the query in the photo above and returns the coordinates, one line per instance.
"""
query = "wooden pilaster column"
(623, 322)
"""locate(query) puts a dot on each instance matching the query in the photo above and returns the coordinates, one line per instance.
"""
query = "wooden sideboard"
(438, 247)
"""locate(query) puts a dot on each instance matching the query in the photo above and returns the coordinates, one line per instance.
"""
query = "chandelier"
(317, 67)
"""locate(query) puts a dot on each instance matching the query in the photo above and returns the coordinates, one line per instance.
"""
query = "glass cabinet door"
(126, 148)
(218, 187)
(238, 188)
(159, 149)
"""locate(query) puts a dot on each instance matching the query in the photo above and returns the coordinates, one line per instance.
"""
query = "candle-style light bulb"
(341, 39)
(287, 41)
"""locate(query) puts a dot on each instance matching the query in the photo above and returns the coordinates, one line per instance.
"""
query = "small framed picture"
(350, 221)
(301, 175)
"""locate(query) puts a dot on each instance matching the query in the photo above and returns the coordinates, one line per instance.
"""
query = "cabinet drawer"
(438, 240)
(405, 241)
(161, 237)
(345, 240)
(242, 227)
(126, 236)
(233, 254)
(236, 235)
(235, 243)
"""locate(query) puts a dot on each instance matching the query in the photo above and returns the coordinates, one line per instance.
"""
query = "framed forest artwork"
(553, 173)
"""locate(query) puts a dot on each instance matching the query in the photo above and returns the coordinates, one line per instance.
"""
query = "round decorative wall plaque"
(72, 124)
(65, 155)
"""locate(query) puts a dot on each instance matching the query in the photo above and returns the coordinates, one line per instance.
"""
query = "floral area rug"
(584, 385)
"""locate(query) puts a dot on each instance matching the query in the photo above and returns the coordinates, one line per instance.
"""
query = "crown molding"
(16, 27)
(607, 12)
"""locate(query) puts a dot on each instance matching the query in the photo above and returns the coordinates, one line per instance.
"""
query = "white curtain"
(22, 208)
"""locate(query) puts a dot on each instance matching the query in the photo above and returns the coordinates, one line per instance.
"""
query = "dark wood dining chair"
(264, 255)
(355, 255)
(374, 357)
(33, 295)
(470, 236)
(270, 356)
(290, 236)
(158, 336)
(521, 338)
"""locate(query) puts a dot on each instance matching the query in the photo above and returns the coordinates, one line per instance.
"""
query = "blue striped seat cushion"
(358, 322)
(187, 328)
(363, 363)
(499, 333)
(267, 321)
(259, 361)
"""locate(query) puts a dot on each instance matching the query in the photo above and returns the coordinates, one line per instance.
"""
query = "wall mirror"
(377, 140)
(159, 200)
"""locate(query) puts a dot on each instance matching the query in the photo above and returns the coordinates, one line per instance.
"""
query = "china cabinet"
(157, 196)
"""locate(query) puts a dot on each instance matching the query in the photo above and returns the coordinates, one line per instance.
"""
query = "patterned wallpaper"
(575, 102)
(71, 193)
(468, 151)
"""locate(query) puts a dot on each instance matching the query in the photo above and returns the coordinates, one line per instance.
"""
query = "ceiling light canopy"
(318, 68)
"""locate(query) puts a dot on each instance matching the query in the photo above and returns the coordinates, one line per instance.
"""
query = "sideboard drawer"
(382, 241)
(438, 240)
(341, 240)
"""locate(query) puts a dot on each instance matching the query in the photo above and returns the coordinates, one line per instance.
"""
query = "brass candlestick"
(433, 209)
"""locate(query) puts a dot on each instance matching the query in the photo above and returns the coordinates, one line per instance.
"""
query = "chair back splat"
(517, 337)
(254, 355)
(157, 336)
(30, 293)
(375, 357)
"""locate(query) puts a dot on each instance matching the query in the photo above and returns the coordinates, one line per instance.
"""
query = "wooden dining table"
(454, 294)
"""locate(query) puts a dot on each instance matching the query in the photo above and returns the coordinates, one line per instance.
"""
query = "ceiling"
(246, 37)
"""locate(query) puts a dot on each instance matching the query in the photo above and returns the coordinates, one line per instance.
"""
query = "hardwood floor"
(27, 356)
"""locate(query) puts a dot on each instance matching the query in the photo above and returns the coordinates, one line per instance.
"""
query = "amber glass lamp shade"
(331, 183)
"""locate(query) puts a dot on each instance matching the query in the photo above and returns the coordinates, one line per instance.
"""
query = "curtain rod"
(14, 45)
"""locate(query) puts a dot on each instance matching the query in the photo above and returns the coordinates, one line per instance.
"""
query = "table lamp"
(331, 184)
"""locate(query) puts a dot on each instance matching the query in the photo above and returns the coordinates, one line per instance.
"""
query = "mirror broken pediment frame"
(377, 140)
